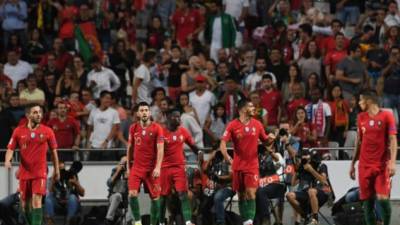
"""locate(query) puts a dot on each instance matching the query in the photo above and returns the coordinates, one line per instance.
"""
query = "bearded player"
(245, 133)
(173, 166)
(145, 152)
(376, 151)
(33, 139)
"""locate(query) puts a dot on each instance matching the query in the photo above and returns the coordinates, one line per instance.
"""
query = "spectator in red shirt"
(334, 57)
(271, 100)
(66, 129)
(328, 44)
(187, 22)
(298, 100)
(56, 60)
(303, 129)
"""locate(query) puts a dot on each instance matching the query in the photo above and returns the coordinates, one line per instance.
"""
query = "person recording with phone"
(314, 187)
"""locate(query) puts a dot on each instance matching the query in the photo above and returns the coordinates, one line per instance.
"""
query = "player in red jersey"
(33, 139)
(145, 153)
(245, 133)
(376, 151)
(173, 166)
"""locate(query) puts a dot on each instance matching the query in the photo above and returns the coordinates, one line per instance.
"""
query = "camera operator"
(218, 188)
(118, 191)
(64, 194)
(271, 167)
(314, 188)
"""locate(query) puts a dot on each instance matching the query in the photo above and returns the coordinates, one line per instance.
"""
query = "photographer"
(64, 194)
(271, 165)
(217, 188)
(118, 191)
(314, 188)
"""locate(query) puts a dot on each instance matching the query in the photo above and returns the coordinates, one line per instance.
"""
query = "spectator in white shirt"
(103, 125)
(392, 18)
(101, 79)
(16, 69)
(238, 9)
(202, 99)
(253, 81)
(141, 87)
(32, 94)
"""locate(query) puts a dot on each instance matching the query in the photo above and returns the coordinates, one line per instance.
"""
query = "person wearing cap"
(202, 99)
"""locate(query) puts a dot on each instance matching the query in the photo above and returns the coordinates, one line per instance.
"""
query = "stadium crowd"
(301, 63)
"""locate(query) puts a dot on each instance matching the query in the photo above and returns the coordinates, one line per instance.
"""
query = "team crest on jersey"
(143, 132)
(371, 123)
(33, 135)
(246, 129)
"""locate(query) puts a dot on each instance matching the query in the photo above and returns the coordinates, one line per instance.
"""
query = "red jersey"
(33, 145)
(374, 132)
(293, 105)
(303, 132)
(174, 142)
(245, 142)
(65, 131)
(144, 141)
(333, 58)
(329, 44)
(185, 24)
(271, 102)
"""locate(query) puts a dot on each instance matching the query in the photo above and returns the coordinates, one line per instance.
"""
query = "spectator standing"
(13, 14)
(101, 79)
(392, 18)
(351, 73)
(202, 99)
(187, 22)
(16, 110)
(310, 61)
(61, 58)
(348, 11)
(220, 29)
(141, 87)
(293, 79)
(215, 123)
(303, 129)
(271, 100)
(391, 76)
(16, 69)
(239, 10)
(231, 96)
(277, 66)
(176, 67)
(32, 94)
(334, 57)
(67, 83)
(253, 80)
(340, 115)
(103, 124)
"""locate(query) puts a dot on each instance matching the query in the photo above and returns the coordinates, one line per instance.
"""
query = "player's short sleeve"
(52, 139)
(227, 135)
(12, 144)
(160, 134)
(186, 135)
(391, 124)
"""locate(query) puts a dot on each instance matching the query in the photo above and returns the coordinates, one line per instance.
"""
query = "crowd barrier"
(94, 175)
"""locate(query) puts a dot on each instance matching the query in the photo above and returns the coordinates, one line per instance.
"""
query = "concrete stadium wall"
(93, 178)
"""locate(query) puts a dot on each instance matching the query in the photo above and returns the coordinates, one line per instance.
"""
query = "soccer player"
(33, 140)
(145, 152)
(245, 133)
(376, 151)
(173, 166)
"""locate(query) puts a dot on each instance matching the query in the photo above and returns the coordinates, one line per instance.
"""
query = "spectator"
(66, 129)
(67, 83)
(351, 133)
(310, 61)
(35, 48)
(215, 123)
(303, 129)
(287, 85)
(352, 73)
(348, 11)
(253, 80)
(16, 69)
(319, 114)
(103, 125)
(161, 116)
(329, 42)
(392, 18)
(141, 86)
(296, 101)
(340, 115)
(190, 119)
(187, 22)
(65, 194)
(61, 57)
(188, 79)
(80, 70)
(220, 30)
(50, 89)
(230, 97)
(202, 99)
(261, 113)
(157, 95)
(313, 81)
(13, 14)
(8, 123)
(165, 8)
(15, 108)
(238, 10)
(87, 99)
(101, 79)
(334, 57)
(176, 67)
(271, 100)
(280, 10)
(376, 61)
(51, 65)
(276, 66)
(5, 79)
(118, 192)
(391, 76)
(32, 94)
(156, 33)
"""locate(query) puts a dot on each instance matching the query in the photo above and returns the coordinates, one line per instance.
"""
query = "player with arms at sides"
(376, 151)
(173, 166)
(145, 153)
(245, 133)
(33, 139)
